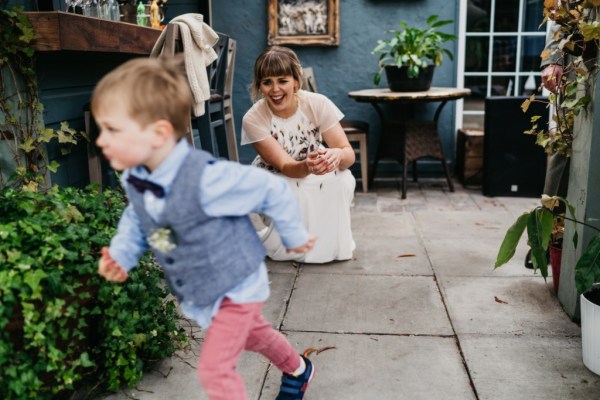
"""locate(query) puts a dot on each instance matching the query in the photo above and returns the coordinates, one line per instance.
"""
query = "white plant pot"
(590, 334)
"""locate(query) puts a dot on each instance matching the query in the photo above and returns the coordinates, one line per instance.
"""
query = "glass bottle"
(141, 14)
(114, 12)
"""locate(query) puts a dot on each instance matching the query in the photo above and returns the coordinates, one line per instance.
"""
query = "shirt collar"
(165, 174)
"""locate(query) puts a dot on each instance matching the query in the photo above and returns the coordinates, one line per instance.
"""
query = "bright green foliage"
(413, 47)
(545, 228)
(58, 319)
(511, 240)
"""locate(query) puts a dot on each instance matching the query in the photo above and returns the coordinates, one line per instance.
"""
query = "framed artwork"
(304, 22)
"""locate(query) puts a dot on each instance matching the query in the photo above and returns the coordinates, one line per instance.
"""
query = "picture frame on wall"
(304, 22)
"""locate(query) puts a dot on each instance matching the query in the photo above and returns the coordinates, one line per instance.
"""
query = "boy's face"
(124, 142)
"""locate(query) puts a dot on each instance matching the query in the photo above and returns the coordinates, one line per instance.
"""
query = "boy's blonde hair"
(151, 89)
(275, 61)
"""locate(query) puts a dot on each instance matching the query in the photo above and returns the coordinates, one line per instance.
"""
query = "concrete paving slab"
(281, 266)
(518, 205)
(367, 304)
(281, 285)
(376, 224)
(467, 257)
(465, 224)
(365, 367)
(489, 204)
(529, 367)
(380, 255)
(519, 306)
(439, 201)
(364, 202)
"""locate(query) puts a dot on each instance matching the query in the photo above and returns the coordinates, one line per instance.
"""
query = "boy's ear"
(163, 132)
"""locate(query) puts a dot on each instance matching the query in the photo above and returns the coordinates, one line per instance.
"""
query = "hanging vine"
(577, 47)
(22, 130)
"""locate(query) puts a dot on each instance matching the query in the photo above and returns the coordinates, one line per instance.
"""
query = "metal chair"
(211, 125)
(228, 102)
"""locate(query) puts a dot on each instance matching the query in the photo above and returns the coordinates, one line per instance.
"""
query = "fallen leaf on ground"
(311, 350)
(499, 301)
(406, 255)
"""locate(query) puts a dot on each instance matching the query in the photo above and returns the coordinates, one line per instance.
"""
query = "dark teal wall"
(340, 69)
(66, 80)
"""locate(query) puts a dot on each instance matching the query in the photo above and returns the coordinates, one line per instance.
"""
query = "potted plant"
(545, 228)
(411, 54)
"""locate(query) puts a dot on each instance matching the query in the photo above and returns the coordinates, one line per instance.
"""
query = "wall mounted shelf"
(61, 31)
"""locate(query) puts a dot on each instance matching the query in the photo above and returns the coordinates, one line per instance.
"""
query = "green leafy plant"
(21, 126)
(577, 36)
(59, 321)
(545, 227)
(413, 47)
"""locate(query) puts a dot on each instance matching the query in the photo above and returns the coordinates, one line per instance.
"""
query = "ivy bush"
(59, 321)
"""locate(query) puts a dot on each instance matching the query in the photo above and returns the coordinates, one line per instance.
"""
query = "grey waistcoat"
(212, 255)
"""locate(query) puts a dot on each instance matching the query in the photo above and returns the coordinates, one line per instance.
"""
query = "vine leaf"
(511, 240)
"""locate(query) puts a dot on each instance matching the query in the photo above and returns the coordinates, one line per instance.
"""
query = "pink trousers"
(235, 328)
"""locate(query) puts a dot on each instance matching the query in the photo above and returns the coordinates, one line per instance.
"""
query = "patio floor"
(419, 313)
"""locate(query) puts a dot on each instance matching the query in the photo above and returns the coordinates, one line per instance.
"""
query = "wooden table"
(406, 139)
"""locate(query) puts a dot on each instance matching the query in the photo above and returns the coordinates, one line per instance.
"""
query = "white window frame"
(519, 76)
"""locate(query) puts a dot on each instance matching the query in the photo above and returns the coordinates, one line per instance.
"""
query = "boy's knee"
(207, 373)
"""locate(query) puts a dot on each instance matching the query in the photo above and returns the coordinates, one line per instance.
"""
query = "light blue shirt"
(226, 189)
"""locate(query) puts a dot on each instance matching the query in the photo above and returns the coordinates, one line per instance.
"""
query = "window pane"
(478, 13)
(505, 52)
(529, 85)
(533, 16)
(531, 49)
(503, 86)
(476, 54)
(507, 16)
(478, 86)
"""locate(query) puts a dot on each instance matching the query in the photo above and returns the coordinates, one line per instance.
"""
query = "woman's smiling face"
(279, 92)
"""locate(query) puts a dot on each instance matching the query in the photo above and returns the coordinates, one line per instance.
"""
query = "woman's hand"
(322, 162)
(109, 269)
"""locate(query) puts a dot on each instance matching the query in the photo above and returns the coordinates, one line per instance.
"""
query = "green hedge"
(60, 323)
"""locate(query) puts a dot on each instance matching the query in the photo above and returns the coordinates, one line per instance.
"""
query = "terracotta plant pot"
(555, 256)
(590, 328)
(398, 80)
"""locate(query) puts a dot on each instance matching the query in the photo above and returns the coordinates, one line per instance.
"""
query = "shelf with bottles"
(61, 31)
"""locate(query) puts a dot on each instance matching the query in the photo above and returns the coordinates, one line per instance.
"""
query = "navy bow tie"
(141, 185)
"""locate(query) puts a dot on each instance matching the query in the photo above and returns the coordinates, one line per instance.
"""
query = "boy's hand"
(306, 247)
(109, 269)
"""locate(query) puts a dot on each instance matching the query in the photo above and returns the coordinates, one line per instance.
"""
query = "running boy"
(192, 210)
